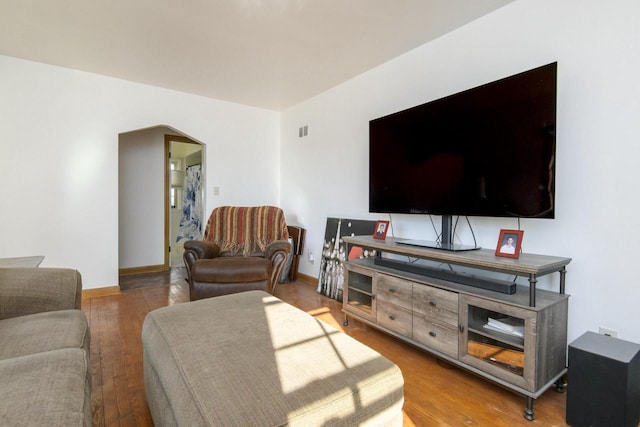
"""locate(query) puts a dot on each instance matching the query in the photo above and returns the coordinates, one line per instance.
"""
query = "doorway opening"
(146, 195)
(184, 195)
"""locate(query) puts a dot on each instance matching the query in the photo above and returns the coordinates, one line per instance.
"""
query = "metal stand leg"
(560, 385)
(532, 290)
(528, 411)
(563, 278)
(345, 322)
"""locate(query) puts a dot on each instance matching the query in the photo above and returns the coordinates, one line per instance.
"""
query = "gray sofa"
(44, 349)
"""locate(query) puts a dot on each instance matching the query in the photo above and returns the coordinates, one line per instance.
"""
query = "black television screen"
(486, 151)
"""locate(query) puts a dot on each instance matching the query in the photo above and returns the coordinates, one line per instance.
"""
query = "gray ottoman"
(250, 359)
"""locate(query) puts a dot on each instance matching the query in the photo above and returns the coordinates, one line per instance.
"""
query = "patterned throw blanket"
(245, 230)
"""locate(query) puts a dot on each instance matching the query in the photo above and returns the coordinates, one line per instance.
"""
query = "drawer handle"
(392, 317)
(392, 290)
(432, 303)
(461, 327)
(433, 334)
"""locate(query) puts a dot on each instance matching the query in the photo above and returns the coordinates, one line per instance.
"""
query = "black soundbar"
(496, 285)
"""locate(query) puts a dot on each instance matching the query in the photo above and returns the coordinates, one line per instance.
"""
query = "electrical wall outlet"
(311, 258)
(608, 332)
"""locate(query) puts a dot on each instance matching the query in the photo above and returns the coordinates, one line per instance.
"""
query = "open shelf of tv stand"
(455, 321)
(531, 266)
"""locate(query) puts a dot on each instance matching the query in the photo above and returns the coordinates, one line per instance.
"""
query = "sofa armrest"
(278, 249)
(195, 250)
(199, 249)
(277, 252)
(33, 290)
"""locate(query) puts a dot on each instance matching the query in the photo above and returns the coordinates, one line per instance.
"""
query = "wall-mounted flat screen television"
(486, 151)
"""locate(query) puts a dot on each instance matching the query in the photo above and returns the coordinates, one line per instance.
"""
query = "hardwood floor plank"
(109, 361)
(90, 309)
(436, 394)
(131, 318)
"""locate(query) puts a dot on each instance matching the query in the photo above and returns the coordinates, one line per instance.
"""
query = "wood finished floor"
(436, 394)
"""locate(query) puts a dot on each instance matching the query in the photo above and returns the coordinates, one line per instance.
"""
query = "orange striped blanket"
(245, 230)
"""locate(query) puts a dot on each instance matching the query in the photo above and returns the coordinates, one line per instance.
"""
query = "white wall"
(141, 198)
(596, 46)
(59, 159)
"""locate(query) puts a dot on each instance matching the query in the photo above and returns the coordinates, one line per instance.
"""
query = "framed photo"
(509, 243)
(380, 231)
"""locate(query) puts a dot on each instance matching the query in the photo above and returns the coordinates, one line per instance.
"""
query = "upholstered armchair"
(242, 249)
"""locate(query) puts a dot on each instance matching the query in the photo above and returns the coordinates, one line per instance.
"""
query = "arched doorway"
(144, 196)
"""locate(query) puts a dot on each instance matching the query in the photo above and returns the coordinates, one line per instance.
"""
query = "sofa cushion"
(231, 270)
(34, 290)
(46, 389)
(36, 333)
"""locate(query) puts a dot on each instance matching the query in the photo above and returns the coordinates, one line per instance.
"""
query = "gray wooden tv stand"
(515, 336)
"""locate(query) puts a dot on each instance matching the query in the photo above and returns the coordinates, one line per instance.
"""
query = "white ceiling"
(266, 53)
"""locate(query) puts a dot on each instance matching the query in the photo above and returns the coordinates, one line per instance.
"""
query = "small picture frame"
(509, 243)
(380, 232)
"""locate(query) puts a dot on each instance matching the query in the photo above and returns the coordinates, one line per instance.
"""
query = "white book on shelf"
(506, 325)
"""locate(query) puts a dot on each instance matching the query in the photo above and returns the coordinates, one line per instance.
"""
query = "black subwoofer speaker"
(604, 382)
